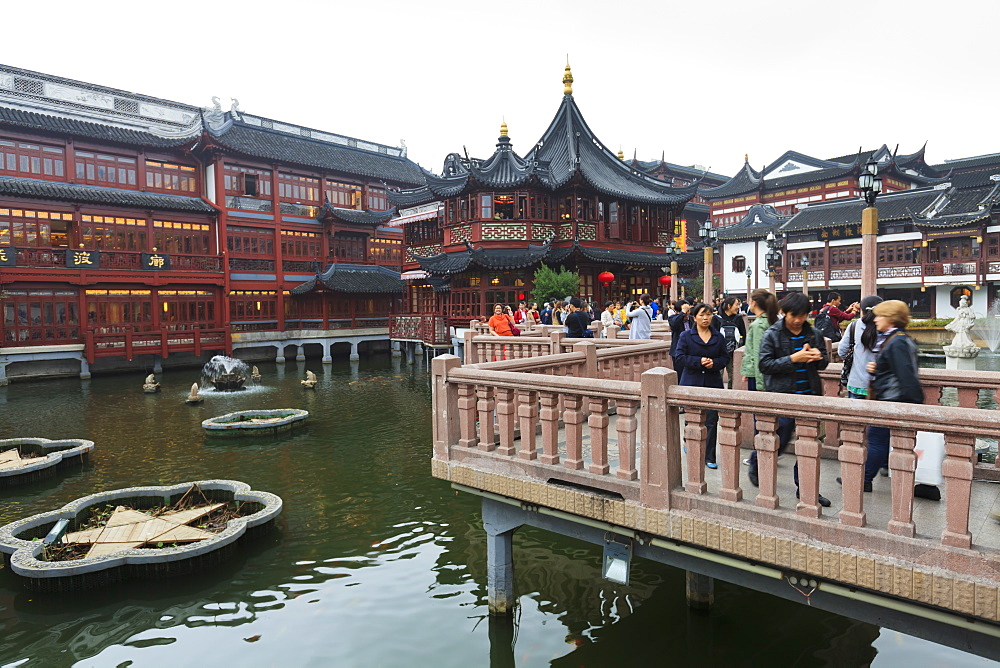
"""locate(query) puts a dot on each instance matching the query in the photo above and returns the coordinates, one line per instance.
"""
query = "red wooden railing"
(129, 343)
(429, 328)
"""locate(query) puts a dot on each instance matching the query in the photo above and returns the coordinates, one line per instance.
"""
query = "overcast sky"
(706, 82)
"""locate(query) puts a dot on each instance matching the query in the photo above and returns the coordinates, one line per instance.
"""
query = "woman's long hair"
(767, 303)
(870, 335)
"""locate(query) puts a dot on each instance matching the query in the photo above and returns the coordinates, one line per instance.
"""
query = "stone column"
(673, 281)
(700, 591)
(869, 251)
(500, 523)
(395, 349)
(706, 295)
(300, 355)
(279, 354)
(84, 371)
(354, 352)
(327, 358)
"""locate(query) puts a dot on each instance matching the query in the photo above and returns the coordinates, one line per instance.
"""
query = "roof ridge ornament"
(567, 79)
(503, 129)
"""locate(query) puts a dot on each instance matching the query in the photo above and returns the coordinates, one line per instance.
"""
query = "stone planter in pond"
(28, 460)
(24, 542)
(255, 423)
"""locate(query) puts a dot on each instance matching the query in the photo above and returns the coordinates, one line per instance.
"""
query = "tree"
(696, 286)
(549, 284)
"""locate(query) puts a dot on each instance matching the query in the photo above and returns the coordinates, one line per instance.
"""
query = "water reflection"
(373, 562)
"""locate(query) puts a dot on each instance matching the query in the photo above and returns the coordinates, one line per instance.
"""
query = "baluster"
(959, 450)
(505, 420)
(527, 413)
(485, 405)
(807, 453)
(728, 455)
(573, 419)
(852, 453)
(903, 464)
(932, 395)
(968, 396)
(695, 435)
(766, 444)
(598, 422)
(467, 415)
(627, 427)
(549, 416)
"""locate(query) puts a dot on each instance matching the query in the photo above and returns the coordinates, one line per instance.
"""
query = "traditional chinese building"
(938, 237)
(568, 201)
(137, 228)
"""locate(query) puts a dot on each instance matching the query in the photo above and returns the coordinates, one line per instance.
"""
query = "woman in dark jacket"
(680, 322)
(700, 357)
(578, 321)
(894, 376)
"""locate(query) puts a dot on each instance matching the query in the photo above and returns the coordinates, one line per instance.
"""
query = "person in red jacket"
(832, 309)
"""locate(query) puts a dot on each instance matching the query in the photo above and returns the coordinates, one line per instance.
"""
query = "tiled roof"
(72, 192)
(499, 259)
(504, 169)
(356, 216)
(621, 256)
(747, 180)
(991, 160)
(264, 143)
(758, 221)
(353, 278)
(67, 126)
(891, 206)
(679, 170)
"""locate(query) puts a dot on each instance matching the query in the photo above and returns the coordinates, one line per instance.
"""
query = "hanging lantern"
(605, 277)
(665, 281)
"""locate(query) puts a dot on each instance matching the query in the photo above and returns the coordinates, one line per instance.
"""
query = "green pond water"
(373, 562)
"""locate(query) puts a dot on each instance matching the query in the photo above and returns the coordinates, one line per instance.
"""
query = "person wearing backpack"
(828, 320)
(731, 324)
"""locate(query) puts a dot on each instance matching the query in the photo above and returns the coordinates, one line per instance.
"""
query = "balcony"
(55, 258)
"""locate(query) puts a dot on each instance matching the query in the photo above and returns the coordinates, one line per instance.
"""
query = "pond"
(374, 562)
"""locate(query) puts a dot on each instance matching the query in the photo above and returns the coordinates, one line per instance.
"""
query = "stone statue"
(965, 320)
(194, 397)
(310, 381)
(255, 375)
(150, 385)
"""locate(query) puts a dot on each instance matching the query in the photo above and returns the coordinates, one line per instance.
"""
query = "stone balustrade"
(510, 428)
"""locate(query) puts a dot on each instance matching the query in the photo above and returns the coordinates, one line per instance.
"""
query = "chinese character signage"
(156, 261)
(83, 259)
(8, 256)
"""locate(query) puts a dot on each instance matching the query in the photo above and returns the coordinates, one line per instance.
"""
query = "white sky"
(706, 81)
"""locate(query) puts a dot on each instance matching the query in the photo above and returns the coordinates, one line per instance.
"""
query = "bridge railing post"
(660, 462)
(445, 403)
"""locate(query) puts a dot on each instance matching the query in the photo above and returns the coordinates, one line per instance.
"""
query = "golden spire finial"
(567, 79)
(503, 129)
(746, 157)
(621, 154)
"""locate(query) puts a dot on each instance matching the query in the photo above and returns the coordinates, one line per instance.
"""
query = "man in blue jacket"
(792, 353)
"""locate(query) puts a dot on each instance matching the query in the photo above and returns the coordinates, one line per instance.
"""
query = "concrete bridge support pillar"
(354, 352)
(279, 354)
(84, 372)
(500, 521)
(300, 354)
(396, 352)
(3, 372)
(409, 352)
(327, 358)
(418, 348)
(700, 591)
(157, 364)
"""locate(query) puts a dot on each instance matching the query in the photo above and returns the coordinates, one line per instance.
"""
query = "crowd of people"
(782, 352)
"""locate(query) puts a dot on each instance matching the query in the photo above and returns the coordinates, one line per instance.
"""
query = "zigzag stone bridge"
(584, 437)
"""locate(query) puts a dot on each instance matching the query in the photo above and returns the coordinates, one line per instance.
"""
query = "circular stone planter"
(40, 458)
(255, 423)
(21, 541)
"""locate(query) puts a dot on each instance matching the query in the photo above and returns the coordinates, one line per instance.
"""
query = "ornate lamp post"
(870, 184)
(708, 239)
(804, 262)
(773, 257)
(672, 256)
(749, 273)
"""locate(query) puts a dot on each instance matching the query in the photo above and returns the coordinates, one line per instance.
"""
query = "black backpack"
(731, 337)
(824, 324)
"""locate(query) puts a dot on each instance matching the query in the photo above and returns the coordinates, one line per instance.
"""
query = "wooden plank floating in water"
(12, 458)
(127, 528)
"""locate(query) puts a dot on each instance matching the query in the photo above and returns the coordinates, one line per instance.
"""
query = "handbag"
(845, 371)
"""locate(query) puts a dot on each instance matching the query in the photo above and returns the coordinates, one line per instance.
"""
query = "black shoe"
(752, 475)
(820, 499)
(927, 491)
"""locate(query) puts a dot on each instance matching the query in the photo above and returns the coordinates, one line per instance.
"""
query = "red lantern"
(665, 281)
(605, 277)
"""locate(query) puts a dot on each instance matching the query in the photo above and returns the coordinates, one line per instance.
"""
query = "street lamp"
(870, 184)
(672, 256)
(773, 256)
(804, 262)
(708, 239)
(749, 273)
